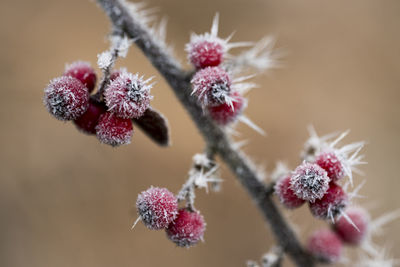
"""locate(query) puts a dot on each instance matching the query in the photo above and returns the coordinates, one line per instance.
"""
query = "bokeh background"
(66, 200)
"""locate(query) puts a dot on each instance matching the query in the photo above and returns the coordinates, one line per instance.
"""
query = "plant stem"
(240, 165)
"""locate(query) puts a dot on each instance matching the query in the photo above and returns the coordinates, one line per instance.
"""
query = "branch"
(240, 165)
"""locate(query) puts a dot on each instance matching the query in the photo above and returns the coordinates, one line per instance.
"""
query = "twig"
(179, 80)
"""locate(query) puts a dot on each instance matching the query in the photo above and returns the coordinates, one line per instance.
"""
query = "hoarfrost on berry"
(331, 205)
(325, 245)
(114, 131)
(225, 114)
(332, 164)
(353, 227)
(286, 195)
(82, 71)
(128, 96)
(309, 182)
(66, 98)
(187, 229)
(157, 207)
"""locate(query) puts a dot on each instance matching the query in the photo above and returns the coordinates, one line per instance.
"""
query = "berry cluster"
(158, 209)
(212, 84)
(126, 97)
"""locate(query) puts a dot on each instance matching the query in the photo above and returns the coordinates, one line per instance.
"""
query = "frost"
(121, 44)
(104, 60)
(281, 170)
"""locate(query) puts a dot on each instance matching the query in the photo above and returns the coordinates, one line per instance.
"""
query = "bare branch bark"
(179, 80)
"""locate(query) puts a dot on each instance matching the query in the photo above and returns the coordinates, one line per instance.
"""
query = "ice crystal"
(104, 60)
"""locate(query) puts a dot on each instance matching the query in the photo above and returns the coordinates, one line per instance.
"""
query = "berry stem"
(238, 162)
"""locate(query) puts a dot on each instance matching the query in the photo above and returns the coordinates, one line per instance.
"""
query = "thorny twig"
(238, 162)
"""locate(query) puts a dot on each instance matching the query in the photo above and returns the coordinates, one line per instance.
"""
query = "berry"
(187, 229)
(66, 98)
(224, 113)
(309, 181)
(331, 163)
(286, 195)
(83, 72)
(212, 86)
(88, 121)
(325, 245)
(332, 204)
(114, 131)
(157, 207)
(116, 73)
(347, 231)
(128, 96)
(206, 52)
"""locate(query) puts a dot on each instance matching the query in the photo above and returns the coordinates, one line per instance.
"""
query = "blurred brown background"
(66, 200)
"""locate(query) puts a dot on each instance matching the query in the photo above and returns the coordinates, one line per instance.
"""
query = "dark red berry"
(66, 98)
(349, 233)
(212, 86)
(128, 96)
(206, 53)
(331, 205)
(325, 245)
(114, 131)
(84, 72)
(88, 121)
(330, 162)
(286, 195)
(157, 207)
(187, 229)
(224, 113)
(309, 181)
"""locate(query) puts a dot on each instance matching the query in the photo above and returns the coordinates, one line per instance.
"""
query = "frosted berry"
(309, 182)
(114, 131)
(88, 121)
(66, 98)
(157, 207)
(331, 163)
(224, 113)
(331, 205)
(347, 231)
(187, 229)
(128, 96)
(205, 53)
(116, 73)
(84, 72)
(212, 86)
(325, 245)
(286, 195)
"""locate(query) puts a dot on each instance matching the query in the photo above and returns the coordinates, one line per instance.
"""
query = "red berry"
(309, 182)
(128, 96)
(347, 231)
(330, 162)
(114, 131)
(286, 194)
(224, 113)
(187, 229)
(88, 121)
(325, 245)
(116, 73)
(332, 204)
(157, 207)
(212, 86)
(66, 98)
(84, 72)
(206, 53)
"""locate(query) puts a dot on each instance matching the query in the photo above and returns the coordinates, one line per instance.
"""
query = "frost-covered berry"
(88, 121)
(157, 207)
(331, 205)
(286, 195)
(309, 181)
(116, 73)
(354, 228)
(128, 96)
(82, 71)
(331, 163)
(187, 229)
(325, 245)
(66, 98)
(212, 86)
(224, 113)
(114, 131)
(206, 52)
